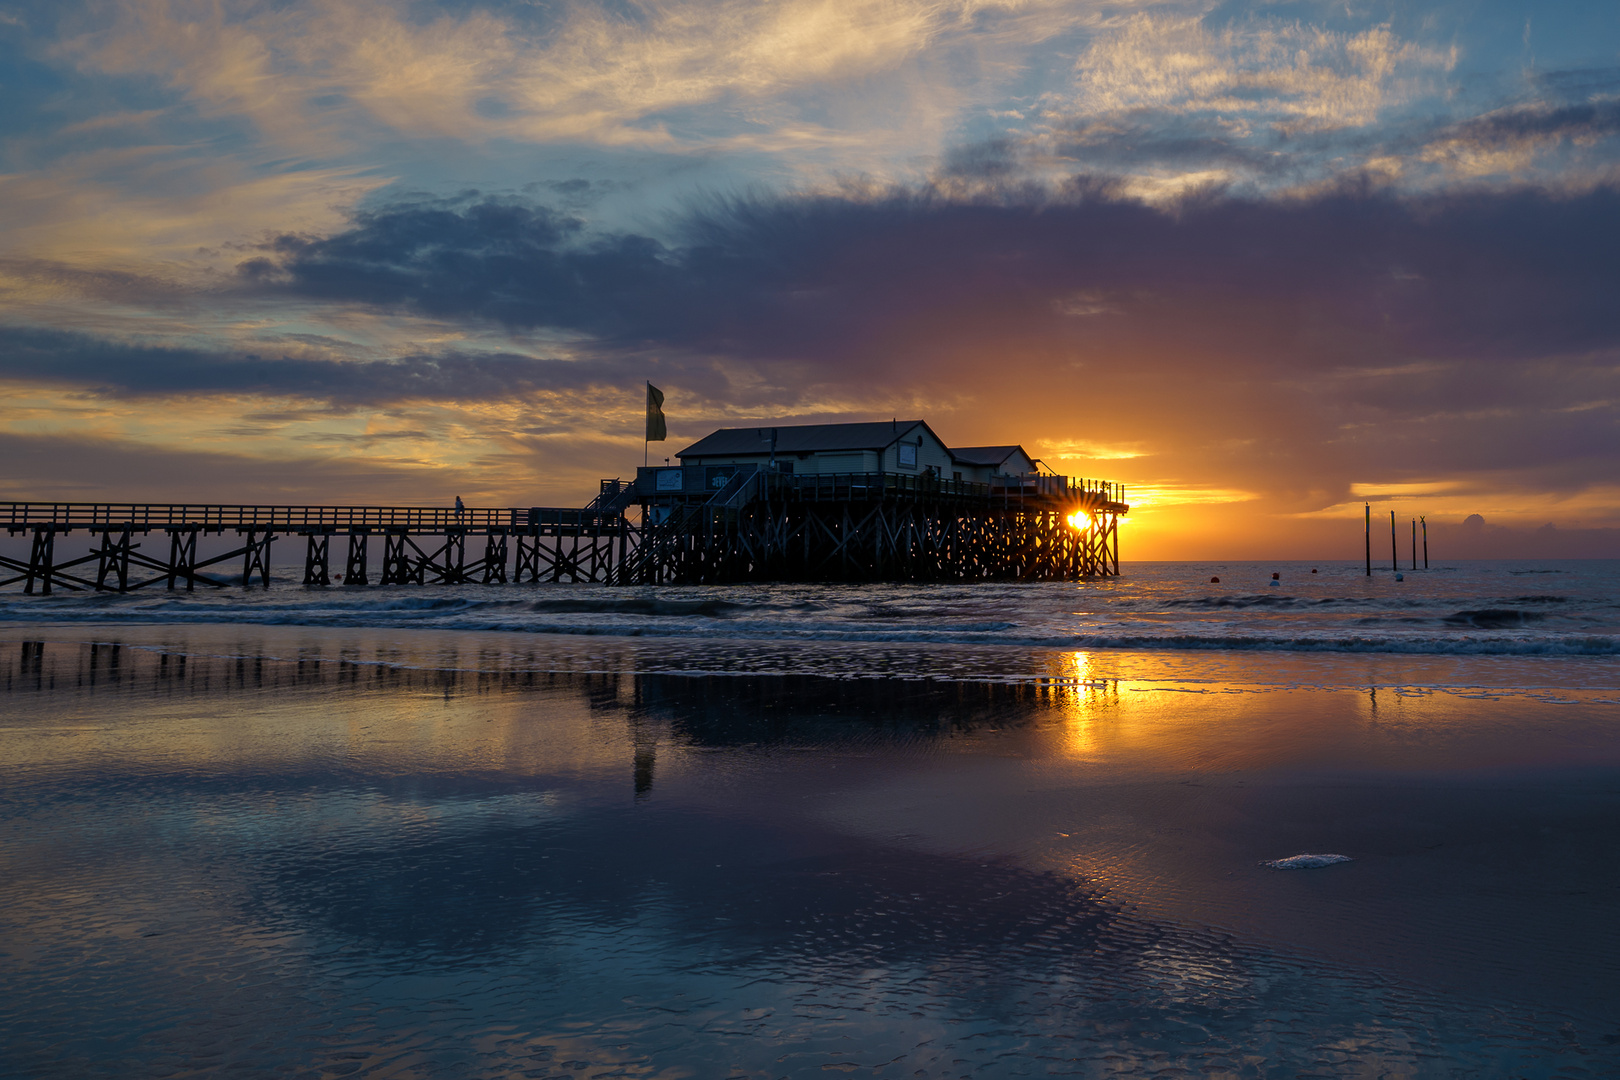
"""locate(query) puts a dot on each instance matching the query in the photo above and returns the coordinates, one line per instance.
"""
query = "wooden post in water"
(1368, 534)
(1425, 522)
(1414, 543)
(1394, 559)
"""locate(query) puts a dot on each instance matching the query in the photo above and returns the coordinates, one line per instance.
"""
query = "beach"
(900, 832)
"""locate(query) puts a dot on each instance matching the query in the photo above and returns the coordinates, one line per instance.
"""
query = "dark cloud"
(122, 370)
(1341, 278)
(1575, 84)
(986, 160)
(1582, 121)
(513, 264)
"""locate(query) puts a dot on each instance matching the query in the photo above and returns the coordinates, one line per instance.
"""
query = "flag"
(655, 414)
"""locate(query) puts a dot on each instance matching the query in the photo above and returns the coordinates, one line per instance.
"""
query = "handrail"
(606, 509)
(145, 516)
(739, 485)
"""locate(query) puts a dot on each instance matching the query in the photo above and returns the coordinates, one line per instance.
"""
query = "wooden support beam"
(355, 570)
(113, 559)
(494, 561)
(256, 557)
(41, 555)
(183, 556)
(317, 569)
(396, 562)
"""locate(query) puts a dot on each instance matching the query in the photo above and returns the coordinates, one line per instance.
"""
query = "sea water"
(787, 831)
(1487, 608)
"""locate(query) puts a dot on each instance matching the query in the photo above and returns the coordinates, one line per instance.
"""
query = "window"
(908, 456)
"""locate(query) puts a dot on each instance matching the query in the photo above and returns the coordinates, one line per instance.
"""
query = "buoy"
(1214, 581)
(1313, 569)
(1276, 577)
(1400, 577)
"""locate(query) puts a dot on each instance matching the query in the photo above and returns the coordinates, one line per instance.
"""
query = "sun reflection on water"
(1082, 696)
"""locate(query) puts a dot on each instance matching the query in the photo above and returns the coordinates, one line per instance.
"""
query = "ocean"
(1481, 608)
(990, 830)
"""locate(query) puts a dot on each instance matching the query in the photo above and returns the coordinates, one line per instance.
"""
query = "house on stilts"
(887, 501)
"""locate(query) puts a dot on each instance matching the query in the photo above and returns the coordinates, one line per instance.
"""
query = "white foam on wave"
(1306, 862)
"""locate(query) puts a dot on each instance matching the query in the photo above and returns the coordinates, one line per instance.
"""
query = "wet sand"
(308, 852)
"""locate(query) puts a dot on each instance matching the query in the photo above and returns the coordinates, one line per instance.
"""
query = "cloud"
(120, 370)
(67, 467)
(509, 263)
(1342, 277)
(1282, 106)
(152, 218)
(1509, 140)
(1290, 76)
(586, 72)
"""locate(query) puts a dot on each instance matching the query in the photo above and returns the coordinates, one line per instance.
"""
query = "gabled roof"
(802, 438)
(986, 455)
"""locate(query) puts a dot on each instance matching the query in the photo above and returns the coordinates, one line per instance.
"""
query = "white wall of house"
(978, 474)
(836, 461)
(931, 453)
(1018, 464)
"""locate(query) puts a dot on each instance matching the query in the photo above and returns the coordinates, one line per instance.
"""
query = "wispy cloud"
(1292, 77)
(614, 76)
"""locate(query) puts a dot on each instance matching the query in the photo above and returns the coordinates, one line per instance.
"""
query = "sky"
(1261, 262)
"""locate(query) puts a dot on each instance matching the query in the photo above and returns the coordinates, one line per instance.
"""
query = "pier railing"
(710, 480)
(147, 516)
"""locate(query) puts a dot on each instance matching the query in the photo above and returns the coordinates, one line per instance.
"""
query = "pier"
(758, 525)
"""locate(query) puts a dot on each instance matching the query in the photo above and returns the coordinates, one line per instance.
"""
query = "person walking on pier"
(461, 508)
